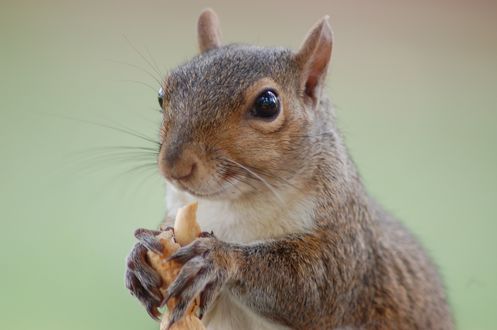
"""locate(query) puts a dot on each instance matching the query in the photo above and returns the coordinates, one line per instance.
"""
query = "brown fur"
(356, 267)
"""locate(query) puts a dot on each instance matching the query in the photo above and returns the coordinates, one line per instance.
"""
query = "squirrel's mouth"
(206, 195)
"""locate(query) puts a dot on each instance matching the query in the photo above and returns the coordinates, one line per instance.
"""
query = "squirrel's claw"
(148, 238)
(207, 296)
(150, 303)
(206, 234)
(153, 311)
(147, 277)
(142, 281)
(192, 279)
(189, 281)
(198, 247)
(200, 275)
(178, 312)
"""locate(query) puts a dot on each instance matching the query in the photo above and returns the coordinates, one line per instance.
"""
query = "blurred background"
(414, 83)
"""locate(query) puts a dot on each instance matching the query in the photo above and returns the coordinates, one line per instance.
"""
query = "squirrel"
(297, 242)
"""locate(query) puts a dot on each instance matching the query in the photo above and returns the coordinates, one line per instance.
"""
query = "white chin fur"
(246, 220)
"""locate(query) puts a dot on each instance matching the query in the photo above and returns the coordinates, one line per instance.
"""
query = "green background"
(415, 85)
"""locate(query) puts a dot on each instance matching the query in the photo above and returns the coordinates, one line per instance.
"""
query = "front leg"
(207, 267)
(288, 280)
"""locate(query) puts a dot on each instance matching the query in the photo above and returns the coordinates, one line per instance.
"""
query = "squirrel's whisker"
(137, 169)
(261, 179)
(130, 153)
(278, 178)
(156, 69)
(118, 159)
(145, 179)
(104, 148)
(237, 175)
(139, 83)
(154, 62)
(151, 75)
(121, 129)
(241, 175)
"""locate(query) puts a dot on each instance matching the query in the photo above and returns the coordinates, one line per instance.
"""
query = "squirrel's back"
(405, 285)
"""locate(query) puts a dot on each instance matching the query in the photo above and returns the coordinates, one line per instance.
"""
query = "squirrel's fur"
(298, 241)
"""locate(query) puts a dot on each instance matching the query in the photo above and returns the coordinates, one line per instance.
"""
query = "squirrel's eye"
(160, 97)
(267, 105)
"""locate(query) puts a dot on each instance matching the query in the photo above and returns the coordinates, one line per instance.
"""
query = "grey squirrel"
(297, 241)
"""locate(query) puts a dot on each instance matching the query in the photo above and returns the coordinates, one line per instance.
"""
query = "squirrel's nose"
(184, 171)
(182, 166)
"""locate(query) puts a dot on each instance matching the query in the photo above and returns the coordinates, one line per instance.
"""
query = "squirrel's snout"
(182, 167)
(183, 173)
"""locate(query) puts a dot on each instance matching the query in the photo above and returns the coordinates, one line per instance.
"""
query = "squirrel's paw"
(141, 279)
(204, 272)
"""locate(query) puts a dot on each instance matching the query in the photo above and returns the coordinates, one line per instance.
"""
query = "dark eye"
(267, 105)
(160, 97)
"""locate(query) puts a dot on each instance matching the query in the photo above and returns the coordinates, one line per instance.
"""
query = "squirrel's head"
(237, 118)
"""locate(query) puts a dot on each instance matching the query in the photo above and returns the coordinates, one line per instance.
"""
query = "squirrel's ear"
(314, 56)
(209, 34)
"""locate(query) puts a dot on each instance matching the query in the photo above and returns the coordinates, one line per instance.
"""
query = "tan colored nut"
(186, 228)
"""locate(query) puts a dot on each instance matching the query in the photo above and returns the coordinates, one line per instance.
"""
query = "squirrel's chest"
(242, 224)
